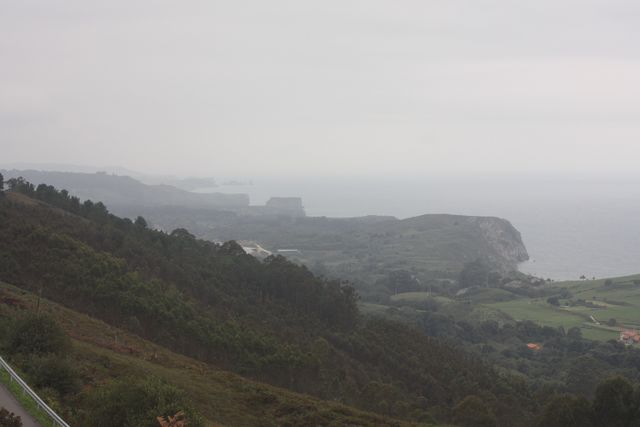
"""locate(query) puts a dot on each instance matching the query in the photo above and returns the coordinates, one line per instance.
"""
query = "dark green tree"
(182, 233)
(54, 372)
(474, 273)
(472, 411)
(614, 404)
(21, 186)
(140, 222)
(566, 411)
(37, 335)
(584, 375)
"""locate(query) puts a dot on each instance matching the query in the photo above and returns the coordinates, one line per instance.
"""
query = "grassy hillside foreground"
(102, 353)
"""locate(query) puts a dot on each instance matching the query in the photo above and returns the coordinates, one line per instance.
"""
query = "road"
(10, 403)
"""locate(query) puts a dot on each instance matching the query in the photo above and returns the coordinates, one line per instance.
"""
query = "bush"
(473, 412)
(127, 403)
(566, 411)
(553, 301)
(37, 335)
(474, 274)
(9, 419)
(55, 373)
(614, 404)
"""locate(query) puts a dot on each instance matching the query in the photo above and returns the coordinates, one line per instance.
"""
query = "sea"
(571, 226)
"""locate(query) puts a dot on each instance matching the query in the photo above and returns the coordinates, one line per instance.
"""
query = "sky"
(331, 87)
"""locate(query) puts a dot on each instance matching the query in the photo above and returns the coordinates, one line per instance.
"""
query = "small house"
(630, 337)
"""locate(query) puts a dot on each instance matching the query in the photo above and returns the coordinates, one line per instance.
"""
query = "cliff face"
(450, 241)
(503, 238)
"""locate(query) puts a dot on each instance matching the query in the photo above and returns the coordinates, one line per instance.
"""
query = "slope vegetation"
(103, 354)
(270, 321)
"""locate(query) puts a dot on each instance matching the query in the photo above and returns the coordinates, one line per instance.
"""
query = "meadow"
(613, 303)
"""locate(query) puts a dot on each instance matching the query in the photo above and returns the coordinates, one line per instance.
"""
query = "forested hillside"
(272, 320)
(96, 375)
(429, 250)
(380, 255)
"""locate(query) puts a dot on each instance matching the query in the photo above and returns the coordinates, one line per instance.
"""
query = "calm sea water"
(570, 227)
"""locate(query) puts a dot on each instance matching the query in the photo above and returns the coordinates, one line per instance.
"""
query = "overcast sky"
(249, 87)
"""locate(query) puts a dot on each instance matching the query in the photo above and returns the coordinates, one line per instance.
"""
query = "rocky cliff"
(503, 238)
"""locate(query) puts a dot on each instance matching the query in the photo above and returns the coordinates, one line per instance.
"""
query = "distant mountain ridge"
(365, 250)
(123, 191)
(128, 196)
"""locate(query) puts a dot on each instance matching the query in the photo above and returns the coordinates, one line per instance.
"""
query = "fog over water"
(570, 227)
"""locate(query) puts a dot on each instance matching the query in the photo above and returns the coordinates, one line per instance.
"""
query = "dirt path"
(10, 403)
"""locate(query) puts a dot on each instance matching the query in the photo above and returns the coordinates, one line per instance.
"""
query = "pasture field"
(617, 299)
(419, 297)
(603, 299)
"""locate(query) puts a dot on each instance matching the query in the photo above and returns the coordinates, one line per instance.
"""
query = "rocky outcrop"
(503, 238)
(454, 240)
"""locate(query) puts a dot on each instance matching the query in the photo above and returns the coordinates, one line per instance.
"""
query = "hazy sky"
(322, 87)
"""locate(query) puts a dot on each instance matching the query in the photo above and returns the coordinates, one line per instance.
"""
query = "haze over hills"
(430, 250)
(320, 213)
(123, 192)
(365, 250)
(191, 305)
(184, 183)
(271, 321)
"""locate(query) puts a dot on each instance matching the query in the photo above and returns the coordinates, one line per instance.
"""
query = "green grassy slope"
(619, 300)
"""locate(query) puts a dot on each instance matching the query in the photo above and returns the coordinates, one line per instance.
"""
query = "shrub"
(37, 335)
(126, 403)
(473, 412)
(553, 301)
(55, 373)
(9, 419)
(566, 411)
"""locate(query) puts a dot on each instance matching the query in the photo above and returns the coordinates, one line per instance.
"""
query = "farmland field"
(614, 301)
(419, 297)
